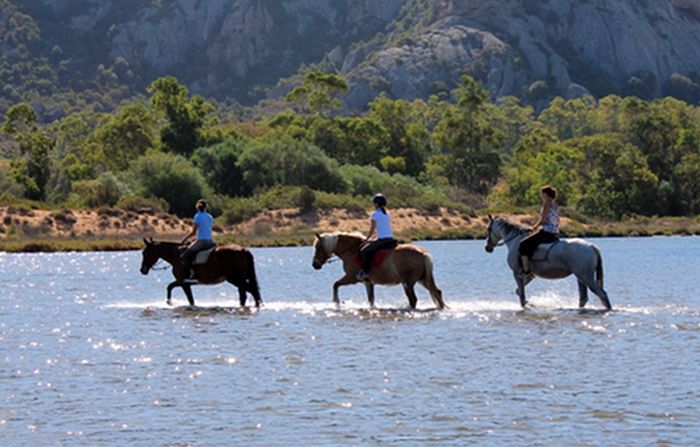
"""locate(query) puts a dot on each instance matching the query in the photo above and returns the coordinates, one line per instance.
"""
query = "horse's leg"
(171, 286)
(521, 288)
(242, 297)
(582, 294)
(435, 293)
(595, 288)
(526, 281)
(410, 293)
(344, 281)
(370, 293)
(188, 292)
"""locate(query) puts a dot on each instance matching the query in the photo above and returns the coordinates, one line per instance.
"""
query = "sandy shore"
(24, 229)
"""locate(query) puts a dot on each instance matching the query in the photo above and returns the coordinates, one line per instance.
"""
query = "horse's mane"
(344, 233)
(329, 240)
(168, 244)
(509, 225)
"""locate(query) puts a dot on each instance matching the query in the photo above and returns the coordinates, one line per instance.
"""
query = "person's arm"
(191, 234)
(543, 215)
(372, 227)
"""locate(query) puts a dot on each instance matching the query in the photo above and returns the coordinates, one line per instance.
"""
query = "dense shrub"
(171, 178)
(289, 162)
(105, 190)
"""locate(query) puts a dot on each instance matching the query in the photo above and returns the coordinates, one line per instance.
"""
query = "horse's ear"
(318, 236)
(490, 218)
(145, 241)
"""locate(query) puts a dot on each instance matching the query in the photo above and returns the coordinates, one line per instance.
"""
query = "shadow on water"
(199, 311)
(394, 314)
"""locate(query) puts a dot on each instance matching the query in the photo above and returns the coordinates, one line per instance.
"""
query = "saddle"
(203, 256)
(542, 251)
(377, 259)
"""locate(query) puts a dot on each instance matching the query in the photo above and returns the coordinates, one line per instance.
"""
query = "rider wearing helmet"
(202, 226)
(381, 222)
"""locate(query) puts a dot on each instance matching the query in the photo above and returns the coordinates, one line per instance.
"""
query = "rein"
(165, 267)
(336, 256)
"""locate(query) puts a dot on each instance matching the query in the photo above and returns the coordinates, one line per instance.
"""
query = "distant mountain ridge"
(535, 49)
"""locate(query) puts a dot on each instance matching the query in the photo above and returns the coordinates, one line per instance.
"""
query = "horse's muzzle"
(489, 249)
(144, 270)
(316, 266)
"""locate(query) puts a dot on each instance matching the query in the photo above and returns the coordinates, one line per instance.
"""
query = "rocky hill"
(239, 50)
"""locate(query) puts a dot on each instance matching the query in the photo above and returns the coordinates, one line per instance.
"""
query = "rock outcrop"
(537, 49)
(534, 49)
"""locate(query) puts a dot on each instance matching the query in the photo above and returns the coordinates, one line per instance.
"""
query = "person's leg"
(366, 254)
(527, 247)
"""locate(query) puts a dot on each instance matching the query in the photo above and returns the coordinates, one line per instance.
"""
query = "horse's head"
(492, 237)
(323, 249)
(150, 256)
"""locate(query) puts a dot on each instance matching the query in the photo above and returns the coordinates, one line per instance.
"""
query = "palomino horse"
(405, 265)
(564, 258)
(226, 263)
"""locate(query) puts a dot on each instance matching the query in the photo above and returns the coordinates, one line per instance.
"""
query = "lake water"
(91, 355)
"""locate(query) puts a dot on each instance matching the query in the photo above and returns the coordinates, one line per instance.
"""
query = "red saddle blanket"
(377, 259)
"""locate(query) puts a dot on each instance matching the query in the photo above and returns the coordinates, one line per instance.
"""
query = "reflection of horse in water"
(226, 263)
(551, 261)
(405, 265)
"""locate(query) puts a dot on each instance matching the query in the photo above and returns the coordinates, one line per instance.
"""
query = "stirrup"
(362, 275)
(525, 274)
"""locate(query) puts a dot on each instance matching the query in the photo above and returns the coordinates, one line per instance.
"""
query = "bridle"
(503, 241)
(333, 257)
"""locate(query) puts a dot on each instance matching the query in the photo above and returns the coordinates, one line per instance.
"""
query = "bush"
(289, 162)
(106, 190)
(307, 198)
(171, 178)
(135, 203)
(239, 209)
(219, 165)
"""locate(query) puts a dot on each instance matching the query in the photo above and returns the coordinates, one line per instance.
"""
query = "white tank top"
(383, 223)
(551, 223)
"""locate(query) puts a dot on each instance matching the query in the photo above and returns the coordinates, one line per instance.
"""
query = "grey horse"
(551, 261)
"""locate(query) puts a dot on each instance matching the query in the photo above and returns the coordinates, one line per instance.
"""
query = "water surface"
(91, 355)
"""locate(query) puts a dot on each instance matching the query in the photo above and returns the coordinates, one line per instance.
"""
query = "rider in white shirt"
(381, 222)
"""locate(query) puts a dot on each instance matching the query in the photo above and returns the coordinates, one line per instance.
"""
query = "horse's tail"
(252, 278)
(429, 282)
(598, 267)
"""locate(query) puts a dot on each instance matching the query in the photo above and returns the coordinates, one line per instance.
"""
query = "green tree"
(32, 170)
(615, 178)
(169, 177)
(186, 116)
(356, 140)
(319, 92)
(219, 165)
(469, 142)
(126, 136)
(408, 136)
(20, 119)
(285, 161)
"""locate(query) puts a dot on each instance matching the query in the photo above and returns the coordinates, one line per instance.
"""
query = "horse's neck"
(346, 246)
(512, 237)
(169, 253)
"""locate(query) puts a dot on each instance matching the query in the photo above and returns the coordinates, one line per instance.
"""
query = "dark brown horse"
(407, 264)
(227, 263)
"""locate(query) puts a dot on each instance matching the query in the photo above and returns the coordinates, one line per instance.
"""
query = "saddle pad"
(203, 256)
(377, 259)
(542, 251)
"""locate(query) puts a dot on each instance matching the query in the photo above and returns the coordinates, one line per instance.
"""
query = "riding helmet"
(379, 200)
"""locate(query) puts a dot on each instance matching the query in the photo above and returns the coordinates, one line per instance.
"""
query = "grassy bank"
(633, 227)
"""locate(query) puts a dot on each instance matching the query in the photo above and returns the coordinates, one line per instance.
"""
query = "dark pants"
(368, 251)
(191, 252)
(530, 243)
